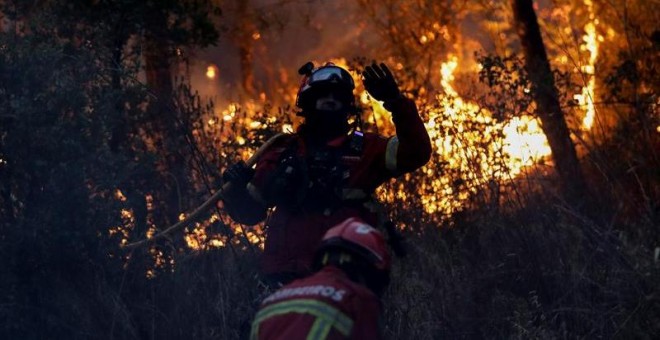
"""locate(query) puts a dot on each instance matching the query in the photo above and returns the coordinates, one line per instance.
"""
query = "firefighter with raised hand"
(341, 300)
(325, 172)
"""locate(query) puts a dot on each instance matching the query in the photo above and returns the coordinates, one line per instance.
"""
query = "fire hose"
(208, 203)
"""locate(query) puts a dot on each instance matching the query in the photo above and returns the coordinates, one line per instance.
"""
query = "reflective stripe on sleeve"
(391, 153)
(327, 317)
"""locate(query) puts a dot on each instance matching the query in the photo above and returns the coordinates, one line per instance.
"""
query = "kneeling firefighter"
(325, 172)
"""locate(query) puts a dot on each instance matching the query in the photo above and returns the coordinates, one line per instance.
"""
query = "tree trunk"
(157, 68)
(163, 114)
(118, 130)
(245, 46)
(547, 101)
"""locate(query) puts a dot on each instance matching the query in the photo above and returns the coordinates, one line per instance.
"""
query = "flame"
(472, 151)
(524, 141)
(200, 239)
(211, 71)
(590, 44)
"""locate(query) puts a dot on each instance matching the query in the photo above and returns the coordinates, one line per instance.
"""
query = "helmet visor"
(331, 74)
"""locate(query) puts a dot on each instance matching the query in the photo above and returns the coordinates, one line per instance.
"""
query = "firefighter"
(325, 172)
(341, 300)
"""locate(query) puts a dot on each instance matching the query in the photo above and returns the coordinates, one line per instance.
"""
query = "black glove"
(238, 174)
(380, 83)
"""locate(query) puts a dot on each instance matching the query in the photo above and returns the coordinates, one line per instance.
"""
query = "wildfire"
(472, 148)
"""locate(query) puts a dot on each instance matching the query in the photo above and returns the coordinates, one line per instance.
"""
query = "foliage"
(416, 33)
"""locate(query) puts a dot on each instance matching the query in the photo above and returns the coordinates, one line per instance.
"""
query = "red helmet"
(362, 239)
(328, 75)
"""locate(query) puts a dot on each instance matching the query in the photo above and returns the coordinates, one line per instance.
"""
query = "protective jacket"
(326, 305)
(314, 187)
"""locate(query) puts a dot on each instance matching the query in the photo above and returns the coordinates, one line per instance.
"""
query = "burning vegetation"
(478, 153)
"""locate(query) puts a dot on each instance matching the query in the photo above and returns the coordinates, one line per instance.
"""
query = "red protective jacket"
(326, 305)
(293, 233)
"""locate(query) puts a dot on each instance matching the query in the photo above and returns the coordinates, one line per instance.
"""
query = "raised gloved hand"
(238, 174)
(380, 83)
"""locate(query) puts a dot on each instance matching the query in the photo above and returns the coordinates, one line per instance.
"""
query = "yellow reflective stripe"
(320, 329)
(254, 332)
(391, 153)
(329, 315)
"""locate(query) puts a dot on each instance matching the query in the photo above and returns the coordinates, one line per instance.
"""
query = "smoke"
(281, 35)
(285, 35)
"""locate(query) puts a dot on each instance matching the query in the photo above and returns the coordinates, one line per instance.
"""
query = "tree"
(68, 81)
(547, 99)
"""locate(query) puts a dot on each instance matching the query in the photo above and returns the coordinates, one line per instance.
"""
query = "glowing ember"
(151, 232)
(216, 243)
(196, 238)
(127, 215)
(211, 71)
(120, 195)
